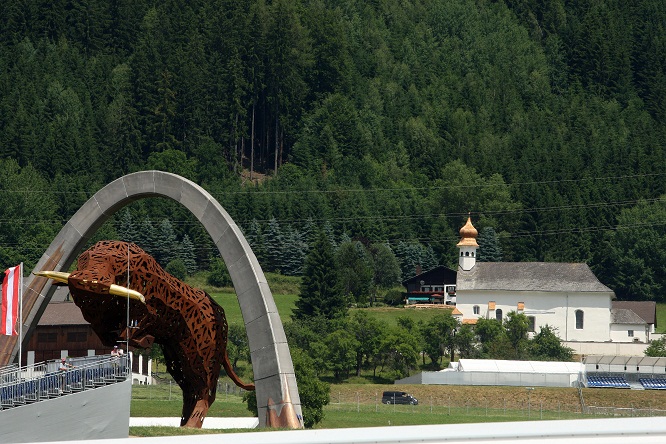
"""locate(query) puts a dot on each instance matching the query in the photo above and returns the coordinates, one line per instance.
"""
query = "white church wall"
(556, 309)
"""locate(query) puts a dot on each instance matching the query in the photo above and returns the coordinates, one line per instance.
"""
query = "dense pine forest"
(381, 122)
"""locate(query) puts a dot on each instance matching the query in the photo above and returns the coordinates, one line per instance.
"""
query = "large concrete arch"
(274, 377)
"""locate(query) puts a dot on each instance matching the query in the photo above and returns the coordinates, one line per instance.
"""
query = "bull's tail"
(232, 374)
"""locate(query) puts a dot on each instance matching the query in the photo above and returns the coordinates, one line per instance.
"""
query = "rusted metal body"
(189, 325)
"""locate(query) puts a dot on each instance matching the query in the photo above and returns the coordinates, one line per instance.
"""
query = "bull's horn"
(116, 290)
(58, 276)
(119, 290)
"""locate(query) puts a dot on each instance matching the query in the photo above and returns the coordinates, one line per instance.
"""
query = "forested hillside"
(383, 121)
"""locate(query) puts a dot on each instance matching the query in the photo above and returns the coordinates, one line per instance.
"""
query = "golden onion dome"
(468, 235)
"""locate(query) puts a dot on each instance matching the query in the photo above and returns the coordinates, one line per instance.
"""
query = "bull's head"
(99, 286)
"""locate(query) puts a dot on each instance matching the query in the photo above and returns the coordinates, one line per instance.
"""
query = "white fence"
(493, 378)
(609, 348)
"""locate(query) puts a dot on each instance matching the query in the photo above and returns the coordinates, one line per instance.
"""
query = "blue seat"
(653, 383)
(607, 381)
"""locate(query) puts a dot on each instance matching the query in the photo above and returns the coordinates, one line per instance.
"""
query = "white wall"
(516, 379)
(619, 332)
(556, 309)
(607, 348)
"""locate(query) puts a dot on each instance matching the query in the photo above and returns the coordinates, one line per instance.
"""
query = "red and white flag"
(10, 300)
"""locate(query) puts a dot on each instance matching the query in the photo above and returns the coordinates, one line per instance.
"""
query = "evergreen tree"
(146, 238)
(385, 266)
(123, 137)
(294, 251)
(126, 230)
(274, 244)
(255, 238)
(327, 228)
(428, 258)
(309, 231)
(186, 253)
(489, 247)
(354, 269)
(320, 295)
(166, 246)
(413, 256)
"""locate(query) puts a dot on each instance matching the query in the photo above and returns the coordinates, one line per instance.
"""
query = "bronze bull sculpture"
(189, 325)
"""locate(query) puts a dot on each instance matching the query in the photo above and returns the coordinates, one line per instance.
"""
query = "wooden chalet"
(62, 330)
(435, 286)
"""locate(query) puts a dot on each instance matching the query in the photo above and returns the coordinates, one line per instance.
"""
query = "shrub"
(393, 298)
(219, 275)
(177, 269)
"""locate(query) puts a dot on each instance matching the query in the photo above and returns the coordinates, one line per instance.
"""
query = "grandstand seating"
(50, 384)
(653, 383)
(607, 381)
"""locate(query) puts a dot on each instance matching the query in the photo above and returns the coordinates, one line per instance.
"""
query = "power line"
(378, 190)
(384, 217)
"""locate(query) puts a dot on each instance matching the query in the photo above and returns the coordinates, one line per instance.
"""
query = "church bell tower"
(467, 246)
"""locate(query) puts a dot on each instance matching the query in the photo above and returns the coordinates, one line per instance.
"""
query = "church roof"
(647, 310)
(530, 276)
(625, 316)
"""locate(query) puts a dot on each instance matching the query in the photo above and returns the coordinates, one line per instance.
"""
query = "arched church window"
(579, 319)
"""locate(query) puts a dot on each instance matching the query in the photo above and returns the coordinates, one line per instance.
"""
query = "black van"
(398, 398)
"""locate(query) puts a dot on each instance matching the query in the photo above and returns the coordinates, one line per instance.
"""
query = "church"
(566, 296)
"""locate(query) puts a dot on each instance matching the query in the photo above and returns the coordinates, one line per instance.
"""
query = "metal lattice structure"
(189, 325)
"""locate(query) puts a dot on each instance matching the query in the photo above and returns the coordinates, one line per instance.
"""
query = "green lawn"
(661, 317)
(284, 302)
(283, 288)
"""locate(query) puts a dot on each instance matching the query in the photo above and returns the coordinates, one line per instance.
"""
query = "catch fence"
(530, 408)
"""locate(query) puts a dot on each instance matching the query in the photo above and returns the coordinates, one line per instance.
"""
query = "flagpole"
(127, 329)
(20, 314)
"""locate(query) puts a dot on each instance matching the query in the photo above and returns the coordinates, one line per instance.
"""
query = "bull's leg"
(188, 407)
(197, 412)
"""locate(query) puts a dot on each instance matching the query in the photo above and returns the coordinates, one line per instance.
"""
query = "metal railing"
(47, 380)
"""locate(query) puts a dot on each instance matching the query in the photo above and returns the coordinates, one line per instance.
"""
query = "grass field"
(359, 405)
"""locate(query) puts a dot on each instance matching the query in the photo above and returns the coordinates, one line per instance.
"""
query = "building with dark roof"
(647, 310)
(565, 296)
(436, 286)
(62, 331)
